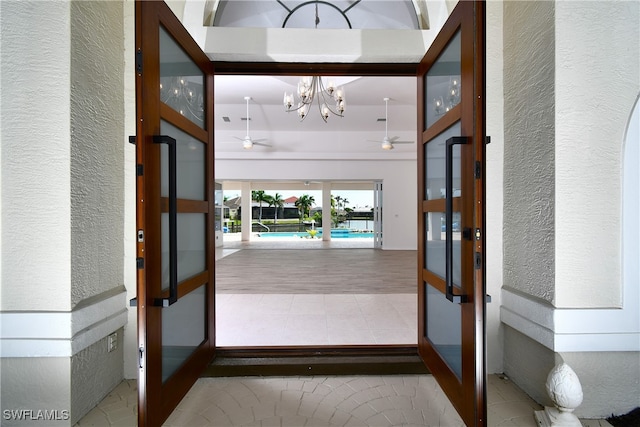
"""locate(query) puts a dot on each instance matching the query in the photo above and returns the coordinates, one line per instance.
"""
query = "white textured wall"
(597, 81)
(129, 239)
(62, 199)
(97, 148)
(610, 382)
(529, 165)
(399, 199)
(575, 112)
(36, 384)
(97, 185)
(36, 235)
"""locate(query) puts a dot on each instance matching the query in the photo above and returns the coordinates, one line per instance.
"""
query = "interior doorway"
(339, 301)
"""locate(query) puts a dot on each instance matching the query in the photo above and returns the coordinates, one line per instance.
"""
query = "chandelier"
(183, 95)
(313, 88)
(452, 98)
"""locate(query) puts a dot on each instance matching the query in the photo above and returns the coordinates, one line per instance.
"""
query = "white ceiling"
(288, 135)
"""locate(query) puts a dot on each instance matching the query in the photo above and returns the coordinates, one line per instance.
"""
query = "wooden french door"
(451, 226)
(175, 211)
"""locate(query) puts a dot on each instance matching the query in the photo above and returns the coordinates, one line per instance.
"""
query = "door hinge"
(140, 357)
(478, 260)
(478, 171)
(139, 170)
(139, 61)
(132, 139)
(139, 263)
(487, 140)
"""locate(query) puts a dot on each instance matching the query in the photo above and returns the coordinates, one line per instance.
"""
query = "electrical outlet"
(112, 342)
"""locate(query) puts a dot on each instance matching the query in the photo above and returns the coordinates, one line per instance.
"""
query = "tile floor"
(309, 319)
(296, 319)
(408, 400)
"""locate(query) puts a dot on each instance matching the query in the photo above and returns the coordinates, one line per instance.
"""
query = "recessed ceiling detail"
(322, 14)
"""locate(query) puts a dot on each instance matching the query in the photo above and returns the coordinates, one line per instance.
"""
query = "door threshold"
(310, 361)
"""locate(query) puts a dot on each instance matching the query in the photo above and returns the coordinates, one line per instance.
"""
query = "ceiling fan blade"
(394, 140)
(261, 143)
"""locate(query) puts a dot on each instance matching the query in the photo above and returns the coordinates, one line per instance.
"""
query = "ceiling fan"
(387, 143)
(247, 142)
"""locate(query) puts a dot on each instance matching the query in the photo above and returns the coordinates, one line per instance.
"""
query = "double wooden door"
(176, 210)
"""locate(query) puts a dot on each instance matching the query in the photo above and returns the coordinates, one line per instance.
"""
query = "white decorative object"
(565, 390)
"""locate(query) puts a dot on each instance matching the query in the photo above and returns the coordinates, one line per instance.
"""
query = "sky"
(355, 198)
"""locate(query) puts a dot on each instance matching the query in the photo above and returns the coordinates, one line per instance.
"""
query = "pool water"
(335, 234)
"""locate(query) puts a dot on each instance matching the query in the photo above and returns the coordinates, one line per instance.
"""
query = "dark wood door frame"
(352, 358)
(326, 69)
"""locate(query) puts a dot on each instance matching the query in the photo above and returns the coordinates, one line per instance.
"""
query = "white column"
(326, 211)
(246, 211)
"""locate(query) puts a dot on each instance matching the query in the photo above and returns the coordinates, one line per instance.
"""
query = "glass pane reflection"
(181, 80)
(434, 160)
(190, 164)
(444, 326)
(183, 330)
(435, 188)
(443, 85)
(435, 250)
(191, 246)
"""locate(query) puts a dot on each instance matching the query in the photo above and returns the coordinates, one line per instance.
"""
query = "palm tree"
(334, 211)
(277, 201)
(304, 204)
(345, 209)
(339, 200)
(259, 196)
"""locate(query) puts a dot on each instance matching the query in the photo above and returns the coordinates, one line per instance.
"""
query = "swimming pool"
(335, 234)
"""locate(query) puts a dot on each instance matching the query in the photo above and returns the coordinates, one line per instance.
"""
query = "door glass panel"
(434, 160)
(183, 330)
(444, 326)
(190, 164)
(436, 226)
(181, 81)
(435, 251)
(442, 88)
(191, 246)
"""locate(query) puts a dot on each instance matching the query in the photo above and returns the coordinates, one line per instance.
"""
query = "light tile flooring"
(408, 400)
(310, 319)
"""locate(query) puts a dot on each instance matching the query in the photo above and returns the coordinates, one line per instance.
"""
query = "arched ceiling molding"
(249, 44)
(210, 9)
(420, 6)
(422, 13)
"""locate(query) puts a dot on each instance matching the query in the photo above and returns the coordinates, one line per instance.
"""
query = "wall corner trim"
(63, 333)
(571, 330)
